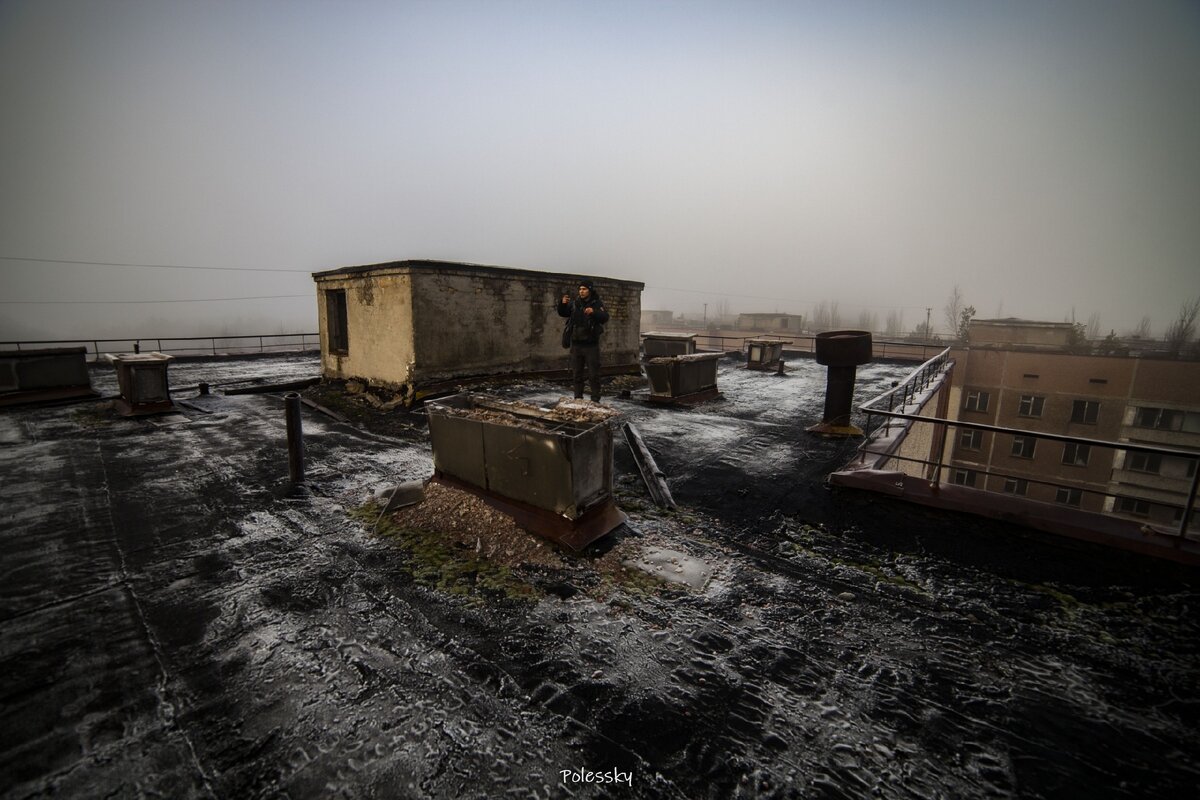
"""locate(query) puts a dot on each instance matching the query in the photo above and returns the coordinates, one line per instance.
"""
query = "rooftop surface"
(175, 621)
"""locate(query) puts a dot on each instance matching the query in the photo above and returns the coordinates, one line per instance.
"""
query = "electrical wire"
(122, 302)
(150, 266)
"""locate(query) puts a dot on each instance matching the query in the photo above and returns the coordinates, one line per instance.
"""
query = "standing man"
(585, 323)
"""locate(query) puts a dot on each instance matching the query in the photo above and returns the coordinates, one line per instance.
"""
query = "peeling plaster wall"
(379, 322)
(411, 326)
(471, 323)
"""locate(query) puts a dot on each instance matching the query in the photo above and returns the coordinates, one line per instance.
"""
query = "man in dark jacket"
(585, 323)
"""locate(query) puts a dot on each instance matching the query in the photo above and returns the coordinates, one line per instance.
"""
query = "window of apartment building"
(976, 401)
(1022, 446)
(1144, 462)
(1068, 497)
(1161, 418)
(1177, 516)
(963, 477)
(1085, 411)
(335, 319)
(1133, 506)
(971, 440)
(1166, 419)
(1017, 486)
(1031, 405)
(1076, 455)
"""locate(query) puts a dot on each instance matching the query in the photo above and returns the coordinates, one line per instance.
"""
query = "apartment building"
(1022, 381)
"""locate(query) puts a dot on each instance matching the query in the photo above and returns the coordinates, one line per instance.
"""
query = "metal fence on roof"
(892, 403)
(239, 344)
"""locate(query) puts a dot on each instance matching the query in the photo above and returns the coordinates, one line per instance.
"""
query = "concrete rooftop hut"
(412, 325)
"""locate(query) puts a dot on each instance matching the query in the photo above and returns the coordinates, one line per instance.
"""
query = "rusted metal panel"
(457, 443)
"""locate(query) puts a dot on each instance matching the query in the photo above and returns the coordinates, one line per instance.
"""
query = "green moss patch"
(435, 562)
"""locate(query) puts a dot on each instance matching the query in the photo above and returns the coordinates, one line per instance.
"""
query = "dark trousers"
(586, 355)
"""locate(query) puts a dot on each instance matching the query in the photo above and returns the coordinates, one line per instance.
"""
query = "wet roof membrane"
(175, 620)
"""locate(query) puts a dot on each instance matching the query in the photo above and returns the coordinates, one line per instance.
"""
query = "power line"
(121, 302)
(149, 266)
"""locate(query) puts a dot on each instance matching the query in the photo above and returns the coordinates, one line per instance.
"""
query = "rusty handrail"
(136, 342)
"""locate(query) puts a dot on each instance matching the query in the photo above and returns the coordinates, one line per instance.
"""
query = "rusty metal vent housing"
(522, 452)
(142, 378)
(682, 378)
(655, 344)
(763, 353)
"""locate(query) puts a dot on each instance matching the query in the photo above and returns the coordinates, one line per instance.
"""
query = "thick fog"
(751, 156)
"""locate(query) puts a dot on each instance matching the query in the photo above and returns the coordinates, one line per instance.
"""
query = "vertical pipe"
(295, 436)
(941, 451)
(137, 347)
(1187, 510)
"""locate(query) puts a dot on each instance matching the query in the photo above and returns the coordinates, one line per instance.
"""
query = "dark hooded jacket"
(583, 329)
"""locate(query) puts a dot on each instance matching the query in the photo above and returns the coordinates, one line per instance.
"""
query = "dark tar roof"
(176, 621)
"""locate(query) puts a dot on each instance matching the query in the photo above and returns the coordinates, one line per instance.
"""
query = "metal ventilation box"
(689, 378)
(655, 345)
(763, 353)
(46, 374)
(142, 378)
(522, 453)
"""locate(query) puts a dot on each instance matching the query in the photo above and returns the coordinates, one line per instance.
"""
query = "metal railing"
(185, 345)
(806, 344)
(921, 378)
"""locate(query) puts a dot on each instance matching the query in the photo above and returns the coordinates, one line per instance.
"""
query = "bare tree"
(1142, 331)
(954, 308)
(1181, 331)
(1093, 327)
(820, 317)
(835, 319)
(868, 320)
(722, 308)
(895, 323)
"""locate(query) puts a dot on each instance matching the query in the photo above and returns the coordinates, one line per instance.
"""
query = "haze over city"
(1042, 156)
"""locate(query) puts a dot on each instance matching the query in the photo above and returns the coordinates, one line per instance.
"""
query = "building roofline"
(431, 265)
(1025, 323)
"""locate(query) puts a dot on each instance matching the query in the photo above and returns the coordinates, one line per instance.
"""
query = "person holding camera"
(585, 324)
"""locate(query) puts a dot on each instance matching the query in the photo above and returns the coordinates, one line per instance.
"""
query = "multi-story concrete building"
(1023, 382)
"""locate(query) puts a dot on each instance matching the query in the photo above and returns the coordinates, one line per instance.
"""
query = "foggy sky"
(1042, 155)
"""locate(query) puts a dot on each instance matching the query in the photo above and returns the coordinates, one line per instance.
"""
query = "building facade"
(780, 323)
(1104, 400)
(406, 325)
